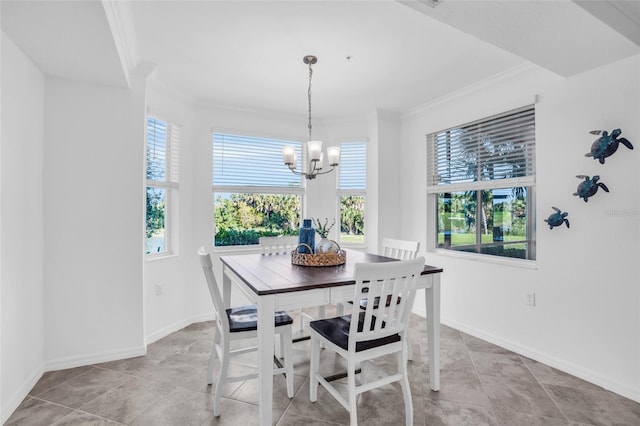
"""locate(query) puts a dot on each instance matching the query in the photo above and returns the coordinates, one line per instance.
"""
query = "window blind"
(353, 165)
(249, 161)
(163, 153)
(481, 153)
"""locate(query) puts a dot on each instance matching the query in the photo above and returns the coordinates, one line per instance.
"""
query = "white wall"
(586, 320)
(21, 226)
(93, 209)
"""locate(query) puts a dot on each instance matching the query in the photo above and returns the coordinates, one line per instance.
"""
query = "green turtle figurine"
(589, 187)
(557, 218)
(607, 144)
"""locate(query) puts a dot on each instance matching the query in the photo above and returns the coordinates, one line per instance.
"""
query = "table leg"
(266, 337)
(226, 288)
(432, 299)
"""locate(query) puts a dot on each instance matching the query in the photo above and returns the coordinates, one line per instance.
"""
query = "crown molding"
(120, 18)
(508, 74)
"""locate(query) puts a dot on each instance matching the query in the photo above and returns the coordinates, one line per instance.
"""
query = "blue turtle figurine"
(589, 187)
(606, 144)
(557, 218)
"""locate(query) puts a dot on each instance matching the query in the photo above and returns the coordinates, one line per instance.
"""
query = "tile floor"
(481, 384)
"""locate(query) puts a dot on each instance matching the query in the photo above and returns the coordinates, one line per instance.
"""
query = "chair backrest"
(207, 266)
(277, 245)
(400, 249)
(388, 281)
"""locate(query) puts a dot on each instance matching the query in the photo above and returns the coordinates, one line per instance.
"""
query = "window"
(254, 193)
(351, 191)
(481, 185)
(162, 183)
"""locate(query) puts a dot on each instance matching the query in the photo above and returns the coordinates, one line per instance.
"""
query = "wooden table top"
(274, 273)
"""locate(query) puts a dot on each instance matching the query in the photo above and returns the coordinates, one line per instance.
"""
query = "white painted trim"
(170, 91)
(19, 395)
(120, 18)
(508, 74)
(94, 358)
(560, 364)
(485, 258)
(179, 325)
(210, 105)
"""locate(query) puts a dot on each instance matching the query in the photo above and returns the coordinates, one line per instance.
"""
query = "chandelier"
(315, 156)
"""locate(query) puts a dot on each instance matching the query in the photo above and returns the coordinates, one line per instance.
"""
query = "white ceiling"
(248, 54)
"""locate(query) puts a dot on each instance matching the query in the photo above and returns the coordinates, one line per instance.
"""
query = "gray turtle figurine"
(557, 218)
(607, 144)
(589, 187)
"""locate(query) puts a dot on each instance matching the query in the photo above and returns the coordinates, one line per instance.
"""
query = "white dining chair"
(400, 249)
(240, 323)
(397, 249)
(370, 333)
(285, 245)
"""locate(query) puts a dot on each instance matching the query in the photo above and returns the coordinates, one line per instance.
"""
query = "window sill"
(253, 248)
(485, 258)
(360, 247)
(154, 258)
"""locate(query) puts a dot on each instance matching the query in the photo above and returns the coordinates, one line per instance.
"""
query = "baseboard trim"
(16, 399)
(94, 358)
(560, 364)
(178, 325)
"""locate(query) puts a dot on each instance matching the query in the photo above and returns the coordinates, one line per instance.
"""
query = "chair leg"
(279, 346)
(224, 369)
(406, 390)
(351, 384)
(407, 336)
(364, 372)
(286, 349)
(212, 358)
(339, 309)
(313, 369)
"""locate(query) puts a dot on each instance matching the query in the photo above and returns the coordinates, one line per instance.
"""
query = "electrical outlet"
(158, 289)
(530, 299)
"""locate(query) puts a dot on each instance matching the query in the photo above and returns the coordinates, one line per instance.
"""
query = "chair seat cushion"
(245, 318)
(336, 330)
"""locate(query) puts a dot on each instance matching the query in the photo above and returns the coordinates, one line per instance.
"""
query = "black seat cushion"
(245, 318)
(336, 330)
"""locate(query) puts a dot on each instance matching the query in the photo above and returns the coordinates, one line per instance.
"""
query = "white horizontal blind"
(486, 153)
(353, 165)
(245, 161)
(163, 153)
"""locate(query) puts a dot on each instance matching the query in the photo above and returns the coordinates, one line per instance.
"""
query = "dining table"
(272, 282)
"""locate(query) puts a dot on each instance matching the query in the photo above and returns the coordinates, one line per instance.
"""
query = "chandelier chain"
(309, 95)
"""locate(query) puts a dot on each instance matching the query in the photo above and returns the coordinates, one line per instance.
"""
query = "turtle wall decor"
(589, 186)
(607, 144)
(557, 218)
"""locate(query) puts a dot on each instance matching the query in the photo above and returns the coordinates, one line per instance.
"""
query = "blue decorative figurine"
(557, 218)
(606, 144)
(589, 187)
(307, 235)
